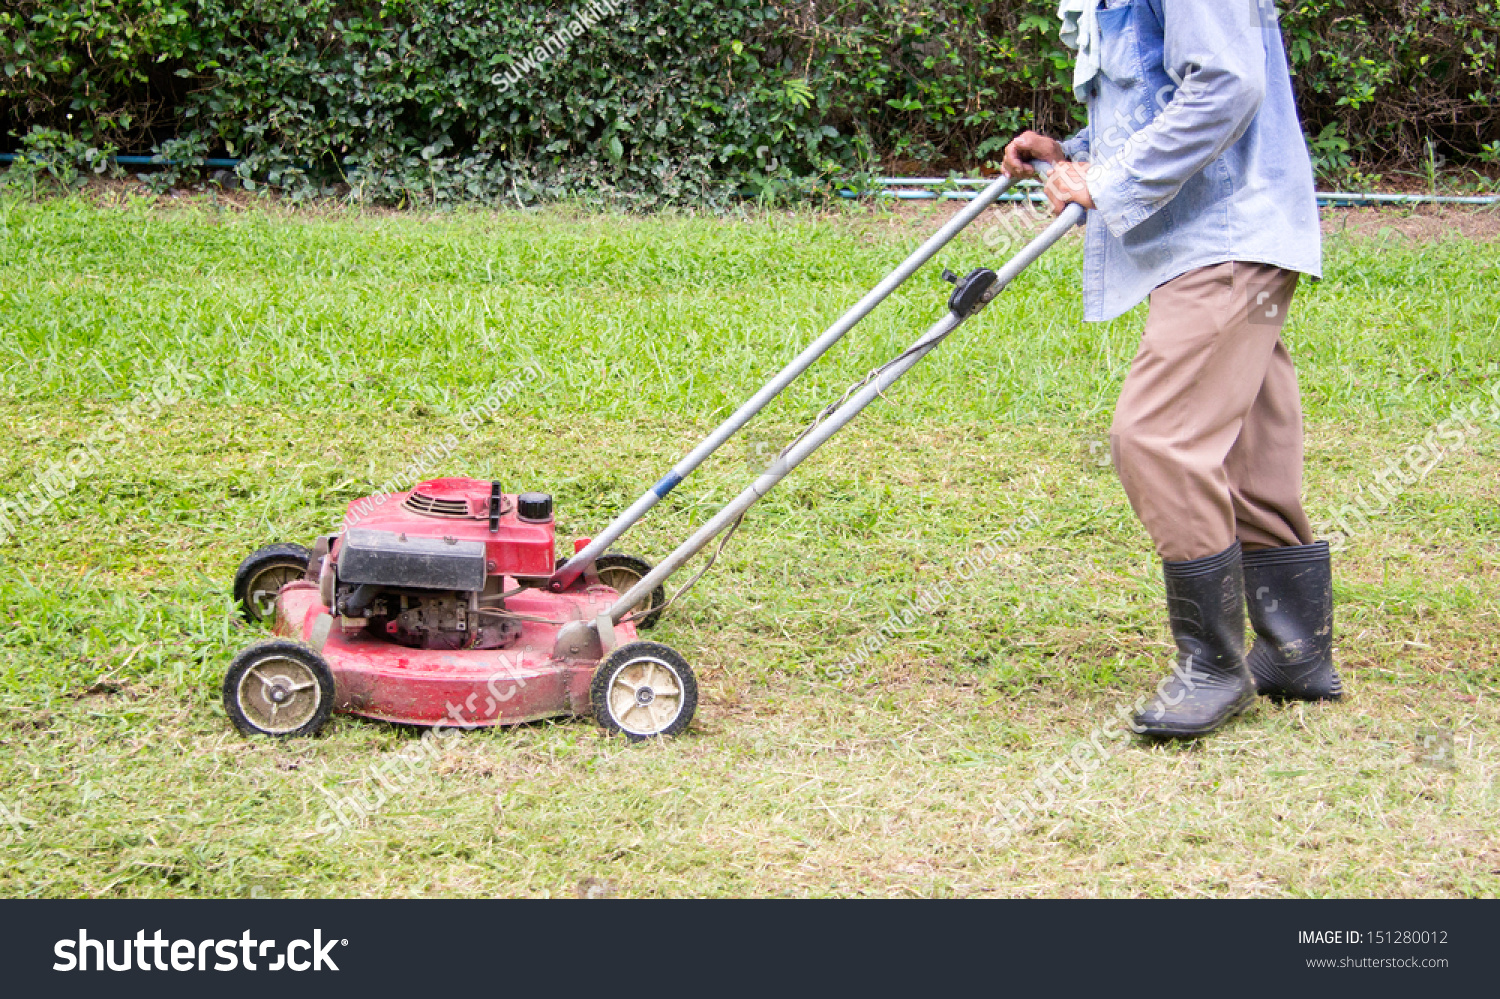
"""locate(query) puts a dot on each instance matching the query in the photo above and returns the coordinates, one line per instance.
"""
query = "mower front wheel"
(263, 573)
(644, 690)
(278, 688)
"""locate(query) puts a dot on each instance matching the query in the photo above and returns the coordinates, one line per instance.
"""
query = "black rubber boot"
(1210, 683)
(1290, 596)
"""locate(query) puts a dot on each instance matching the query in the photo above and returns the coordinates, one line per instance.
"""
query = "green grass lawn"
(297, 361)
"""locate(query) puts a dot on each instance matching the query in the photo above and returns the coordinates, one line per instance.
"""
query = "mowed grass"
(308, 358)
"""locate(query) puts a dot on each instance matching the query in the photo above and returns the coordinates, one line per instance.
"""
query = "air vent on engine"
(431, 506)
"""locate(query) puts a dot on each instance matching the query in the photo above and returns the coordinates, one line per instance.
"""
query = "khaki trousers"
(1207, 435)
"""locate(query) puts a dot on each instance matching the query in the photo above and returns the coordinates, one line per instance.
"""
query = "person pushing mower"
(1200, 194)
(1199, 191)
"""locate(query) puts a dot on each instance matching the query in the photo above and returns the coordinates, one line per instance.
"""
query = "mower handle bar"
(567, 573)
(1071, 216)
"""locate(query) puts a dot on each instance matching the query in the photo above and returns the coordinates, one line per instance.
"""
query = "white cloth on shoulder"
(1080, 32)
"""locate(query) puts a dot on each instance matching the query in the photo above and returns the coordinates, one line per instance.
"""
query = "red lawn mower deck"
(433, 608)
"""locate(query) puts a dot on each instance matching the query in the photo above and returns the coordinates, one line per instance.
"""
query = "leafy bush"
(1397, 74)
(102, 71)
(50, 158)
(438, 101)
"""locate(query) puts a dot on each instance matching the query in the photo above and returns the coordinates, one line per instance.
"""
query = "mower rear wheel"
(279, 688)
(263, 573)
(620, 573)
(644, 690)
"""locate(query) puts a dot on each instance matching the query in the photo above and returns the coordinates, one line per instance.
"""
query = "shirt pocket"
(1119, 52)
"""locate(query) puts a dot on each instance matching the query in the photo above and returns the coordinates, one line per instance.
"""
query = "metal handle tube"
(836, 420)
(573, 568)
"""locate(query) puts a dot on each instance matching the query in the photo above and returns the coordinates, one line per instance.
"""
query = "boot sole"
(1283, 695)
(1162, 732)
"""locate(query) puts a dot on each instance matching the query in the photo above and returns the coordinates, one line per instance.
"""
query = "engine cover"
(466, 510)
(387, 558)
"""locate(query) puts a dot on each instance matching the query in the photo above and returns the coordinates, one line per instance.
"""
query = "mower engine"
(427, 569)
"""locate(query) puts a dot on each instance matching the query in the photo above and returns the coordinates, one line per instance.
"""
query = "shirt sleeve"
(1217, 55)
(1076, 146)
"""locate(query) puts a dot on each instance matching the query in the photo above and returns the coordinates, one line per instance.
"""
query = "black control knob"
(535, 508)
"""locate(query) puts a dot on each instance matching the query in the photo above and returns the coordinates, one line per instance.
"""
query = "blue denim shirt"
(1196, 155)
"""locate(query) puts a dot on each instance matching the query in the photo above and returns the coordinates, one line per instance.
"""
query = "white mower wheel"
(644, 690)
(278, 688)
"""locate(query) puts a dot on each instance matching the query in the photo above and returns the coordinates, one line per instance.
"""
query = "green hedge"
(445, 100)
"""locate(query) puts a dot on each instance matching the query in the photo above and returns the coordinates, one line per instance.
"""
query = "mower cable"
(681, 590)
(502, 596)
(500, 612)
(834, 406)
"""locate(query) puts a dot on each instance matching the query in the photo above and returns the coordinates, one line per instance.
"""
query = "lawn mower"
(445, 605)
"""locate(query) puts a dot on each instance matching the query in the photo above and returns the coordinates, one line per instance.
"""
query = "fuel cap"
(535, 508)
